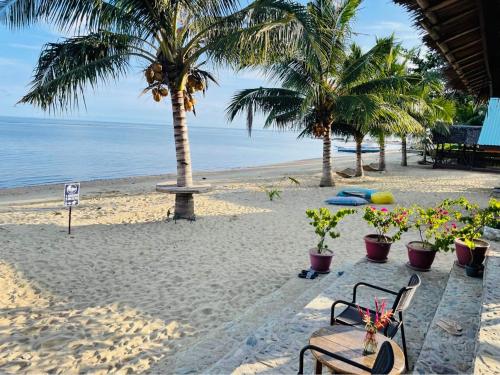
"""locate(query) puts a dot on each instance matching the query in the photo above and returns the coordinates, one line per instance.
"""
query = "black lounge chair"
(383, 363)
(350, 316)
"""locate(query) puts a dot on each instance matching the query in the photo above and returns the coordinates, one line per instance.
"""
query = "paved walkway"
(274, 347)
(488, 347)
(443, 353)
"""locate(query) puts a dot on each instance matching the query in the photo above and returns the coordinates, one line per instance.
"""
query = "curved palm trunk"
(327, 178)
(184, 203)
(404, 152)
(381, 160)
(359, 155)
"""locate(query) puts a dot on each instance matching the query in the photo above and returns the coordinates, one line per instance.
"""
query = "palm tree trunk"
(184, 203)
(327, 178)
(404, 153)
(381, 160)
(359, 156)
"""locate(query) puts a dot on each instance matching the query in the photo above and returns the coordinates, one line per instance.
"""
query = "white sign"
(71, 194)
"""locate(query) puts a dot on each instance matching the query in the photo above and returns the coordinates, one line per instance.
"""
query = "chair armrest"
(341, 302)
(333, 355)
(354, 290)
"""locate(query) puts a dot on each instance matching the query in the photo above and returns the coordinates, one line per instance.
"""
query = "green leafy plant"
(324, 223)
(383, 220)
(273, 192)
(474, 218)
(435, 226)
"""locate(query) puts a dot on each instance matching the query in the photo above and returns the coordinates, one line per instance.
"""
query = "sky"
(122, 102)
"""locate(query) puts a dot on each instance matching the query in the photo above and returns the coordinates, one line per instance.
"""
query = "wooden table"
(348, 342)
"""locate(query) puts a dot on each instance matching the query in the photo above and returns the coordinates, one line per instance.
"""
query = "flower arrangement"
(435, 226)
(324, 222)
(372, 326)
(383, 220)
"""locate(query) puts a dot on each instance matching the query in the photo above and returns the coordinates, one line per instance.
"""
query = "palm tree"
(172, 38)
(321, 96)
(305, 100)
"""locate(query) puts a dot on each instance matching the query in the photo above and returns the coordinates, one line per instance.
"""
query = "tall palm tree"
(172, 38)
(306, 75)
(324, 95)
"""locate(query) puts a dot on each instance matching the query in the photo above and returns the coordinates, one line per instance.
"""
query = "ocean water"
(43, 151)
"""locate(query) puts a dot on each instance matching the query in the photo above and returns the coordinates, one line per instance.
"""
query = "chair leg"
(318, 368)
(301, 360)
(405, 351)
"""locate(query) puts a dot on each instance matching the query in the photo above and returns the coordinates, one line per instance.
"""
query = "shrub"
(324, 222)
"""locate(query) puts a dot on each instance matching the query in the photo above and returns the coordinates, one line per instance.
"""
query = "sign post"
(71, 198)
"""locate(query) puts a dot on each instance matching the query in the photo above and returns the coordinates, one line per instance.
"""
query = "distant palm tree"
(326, 86)
(172, 37)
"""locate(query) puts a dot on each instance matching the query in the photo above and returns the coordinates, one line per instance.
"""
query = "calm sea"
(42, 151)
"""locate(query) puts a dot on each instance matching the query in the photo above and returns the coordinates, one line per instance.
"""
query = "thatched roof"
(467, 34)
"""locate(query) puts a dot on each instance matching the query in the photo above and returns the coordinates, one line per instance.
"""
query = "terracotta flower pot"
(465, 256)
(420, 257)
(320, 262)
(377, 250)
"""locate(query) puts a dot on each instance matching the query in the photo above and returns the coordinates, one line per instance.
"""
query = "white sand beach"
(128, 289)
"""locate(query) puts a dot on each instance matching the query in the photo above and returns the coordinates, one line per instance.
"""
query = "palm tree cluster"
(326, 84)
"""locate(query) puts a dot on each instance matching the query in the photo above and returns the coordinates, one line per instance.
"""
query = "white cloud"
(26, 46)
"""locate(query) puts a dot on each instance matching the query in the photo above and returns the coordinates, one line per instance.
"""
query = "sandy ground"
(128, 288)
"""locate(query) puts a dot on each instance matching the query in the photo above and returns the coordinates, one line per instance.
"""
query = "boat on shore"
(364, 149)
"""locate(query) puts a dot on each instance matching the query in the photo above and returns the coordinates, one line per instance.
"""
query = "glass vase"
(370, 343)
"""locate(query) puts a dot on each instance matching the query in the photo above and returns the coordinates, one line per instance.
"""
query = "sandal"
(308, 274)
(452, 327)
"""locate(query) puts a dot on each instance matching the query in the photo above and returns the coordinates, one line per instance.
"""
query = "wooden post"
(69, 221)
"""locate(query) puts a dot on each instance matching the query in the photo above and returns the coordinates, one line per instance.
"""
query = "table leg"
(319, 368)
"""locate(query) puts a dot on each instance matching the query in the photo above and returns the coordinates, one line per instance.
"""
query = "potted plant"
(378, 245)
(470, 248)
(324, 223)
(436, 232)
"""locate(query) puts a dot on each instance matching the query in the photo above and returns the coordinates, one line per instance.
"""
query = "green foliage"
(474, 218)
(435, 226)
(272, 193)
(324, 223)
(112, 36)
(383, 220)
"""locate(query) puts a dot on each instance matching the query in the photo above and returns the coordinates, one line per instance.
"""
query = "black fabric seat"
(351, 316)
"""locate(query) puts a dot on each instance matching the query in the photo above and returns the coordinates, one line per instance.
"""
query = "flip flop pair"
(308, 274)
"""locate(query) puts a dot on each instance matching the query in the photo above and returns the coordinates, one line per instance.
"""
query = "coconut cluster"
(320, 131)
(193, 84)
(155, 77)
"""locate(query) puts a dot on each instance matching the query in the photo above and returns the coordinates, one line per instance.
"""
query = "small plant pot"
(376, 250)
(320, 262)
(473, 270)
(420, 258)
(467, 256)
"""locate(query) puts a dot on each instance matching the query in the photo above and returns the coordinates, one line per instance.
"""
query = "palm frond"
(64, 69)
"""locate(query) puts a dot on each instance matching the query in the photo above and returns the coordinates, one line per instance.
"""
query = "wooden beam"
(443, 4)
(463, 33)
(465, 66)
(457, 18)
(430, 30)
(482, 23)
(465, 46)
(474, 55)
